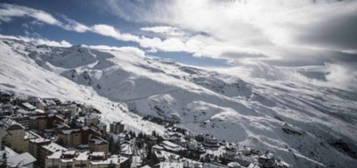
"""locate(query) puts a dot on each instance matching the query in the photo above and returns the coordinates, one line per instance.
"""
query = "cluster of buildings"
(54, 133)
(49, 133)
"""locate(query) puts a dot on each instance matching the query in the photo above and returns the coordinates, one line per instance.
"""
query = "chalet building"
(52, 106)
(216, 165)
(170, 165)
(49, 102)
(28, 106)
(37, 102)
(15, 160)
(99, 160)
(234, 165)
(35, 146)
(136, 162)
(102, 127)
(38, 122)
(230, 152)
(98, 144)
(48, 149)
(91, 119)
(195, 149)
(70, 107)
(54, 160)
(75, 159)
(152, 140)
(188, 163)
(159, 154)
(67, 158)
(19, 99)
(14, 135)
(7, 110)
(210, 142)
(54, 101)
(116, 127)
(174, 137)
(61, 159)
(90, 109)
(45, 121)
(70, 137)
(66, 109)
(126, 149)
(76, 137)
(244, 160)
(193, 145)
(267, 160)
(5, 97)
(23, 120)
(87, 133)
(81, 160)
(171, 147)
(178, 130)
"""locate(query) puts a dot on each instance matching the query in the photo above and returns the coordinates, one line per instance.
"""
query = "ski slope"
(303, 124)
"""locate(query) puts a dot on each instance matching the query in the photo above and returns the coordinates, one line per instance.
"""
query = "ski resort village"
(47, 132)
(118, 108)
(178, 84)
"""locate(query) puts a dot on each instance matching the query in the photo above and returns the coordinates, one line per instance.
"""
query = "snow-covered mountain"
(305, 125)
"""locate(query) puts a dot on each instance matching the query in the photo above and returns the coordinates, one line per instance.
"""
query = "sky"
(209, 33)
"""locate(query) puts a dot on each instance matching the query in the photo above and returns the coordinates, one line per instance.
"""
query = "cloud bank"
(243, 32)
(172, 41)
(212, 28)
(318, 24)
(39, 41)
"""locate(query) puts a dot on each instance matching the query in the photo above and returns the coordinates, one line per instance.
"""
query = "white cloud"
(192, 44)
(39, 41)
(247, 24)
(44, 17)
(79, 28)
(107, 30)
(62, 43)
(73, 25)
(173, 39)
(242, 33)
(165, 30)
(211, 28)
(9, 11)
(341, 76)
(128, 49)
(134, 50)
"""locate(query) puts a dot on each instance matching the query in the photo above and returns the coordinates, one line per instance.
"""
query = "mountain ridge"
(127, 85)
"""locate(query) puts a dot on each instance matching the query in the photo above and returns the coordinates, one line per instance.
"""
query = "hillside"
(305, 125)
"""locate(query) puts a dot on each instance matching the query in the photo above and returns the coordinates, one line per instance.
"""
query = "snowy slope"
(20, 73)
(305, 125)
